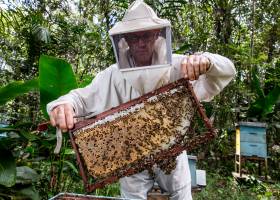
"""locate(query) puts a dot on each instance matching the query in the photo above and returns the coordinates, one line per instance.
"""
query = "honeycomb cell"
(135, 135)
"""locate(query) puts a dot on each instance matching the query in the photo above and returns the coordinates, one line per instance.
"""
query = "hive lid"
(192, 157)
(71, 196)
(255, 124)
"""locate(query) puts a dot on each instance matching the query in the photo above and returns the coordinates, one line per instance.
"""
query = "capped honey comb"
(129, 136)
(149, 130)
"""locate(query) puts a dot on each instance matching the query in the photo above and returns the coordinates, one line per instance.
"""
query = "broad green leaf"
(29, 136)
(28, 193)
(20, 132)
(72, 166)
(255, 110)
(182, 49)
(256, 83)
(273, 96)
(56, 78)
(271, 99)
(7, 129)
(69, 152)
(16, 127)
(26, 175)
(7, 168)
(264, 105)
(17, 88)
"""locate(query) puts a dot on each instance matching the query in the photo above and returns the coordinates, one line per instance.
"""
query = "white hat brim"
(138, 25)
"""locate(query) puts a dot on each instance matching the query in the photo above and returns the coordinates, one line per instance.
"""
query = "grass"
(112, 190)
(218, 188)
(221, 188)
(227, 188)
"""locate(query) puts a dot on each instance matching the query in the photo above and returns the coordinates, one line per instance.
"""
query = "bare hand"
(194, 65)
(62, 117)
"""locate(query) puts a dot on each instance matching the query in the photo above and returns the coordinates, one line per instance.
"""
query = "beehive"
(72, 196)
(146, 131)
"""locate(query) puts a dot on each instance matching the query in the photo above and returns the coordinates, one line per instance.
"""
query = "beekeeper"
(142, 46)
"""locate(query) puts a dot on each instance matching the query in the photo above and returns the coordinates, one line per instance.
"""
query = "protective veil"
(141, 19)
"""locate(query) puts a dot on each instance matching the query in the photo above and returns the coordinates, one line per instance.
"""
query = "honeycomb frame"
(87, 148)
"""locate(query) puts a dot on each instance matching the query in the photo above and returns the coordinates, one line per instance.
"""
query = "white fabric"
(110, 89)
(177, 183)
(138, 17)
(147, 80)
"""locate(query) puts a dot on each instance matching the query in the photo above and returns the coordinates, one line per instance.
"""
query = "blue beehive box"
(251, 139)
(192, 165)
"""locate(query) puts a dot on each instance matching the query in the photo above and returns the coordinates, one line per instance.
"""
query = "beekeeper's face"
(141, 46)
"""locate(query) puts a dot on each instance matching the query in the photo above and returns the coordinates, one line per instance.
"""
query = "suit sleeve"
(84, 100)
(219, 75)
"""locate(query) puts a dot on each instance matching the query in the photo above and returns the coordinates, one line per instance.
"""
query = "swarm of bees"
(134, 136)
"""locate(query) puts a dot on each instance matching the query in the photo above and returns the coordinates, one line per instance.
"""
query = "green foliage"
(56, 79)
(41, 34)
(7, 167)
(14, 89)
(26, 175)
(15, 181)
(220, 187)
(263, 105)
(112, 190)
(247, 32)
(256, 84)
(26, 193)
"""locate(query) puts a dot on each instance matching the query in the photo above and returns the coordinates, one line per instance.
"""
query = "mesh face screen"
(136, 134)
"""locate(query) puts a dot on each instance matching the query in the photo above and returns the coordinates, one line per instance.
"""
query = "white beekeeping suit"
(125, 81)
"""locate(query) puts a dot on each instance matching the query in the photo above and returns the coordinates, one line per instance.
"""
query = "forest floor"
(227, 188)
(221, 188)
